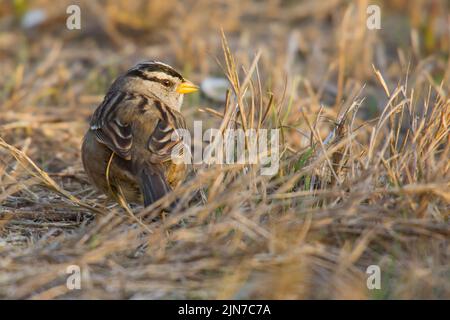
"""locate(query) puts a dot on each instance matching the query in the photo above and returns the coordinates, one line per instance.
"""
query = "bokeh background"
(314, 57)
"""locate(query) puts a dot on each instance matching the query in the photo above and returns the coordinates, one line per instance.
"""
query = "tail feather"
(153, 185)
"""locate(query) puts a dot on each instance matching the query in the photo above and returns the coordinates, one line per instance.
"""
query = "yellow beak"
(186, 87)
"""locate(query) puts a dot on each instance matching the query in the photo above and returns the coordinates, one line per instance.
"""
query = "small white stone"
(215, 88)
(33, 18)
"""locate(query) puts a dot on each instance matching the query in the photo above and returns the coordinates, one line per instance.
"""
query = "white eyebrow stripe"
(162, 75)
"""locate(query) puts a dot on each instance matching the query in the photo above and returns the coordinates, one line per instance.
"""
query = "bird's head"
(160, 80)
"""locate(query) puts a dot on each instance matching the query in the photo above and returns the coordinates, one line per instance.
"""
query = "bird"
(126, 152)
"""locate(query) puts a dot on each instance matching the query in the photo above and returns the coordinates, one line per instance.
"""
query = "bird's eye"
(166, 83)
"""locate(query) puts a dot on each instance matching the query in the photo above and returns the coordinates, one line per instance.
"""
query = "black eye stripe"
(164, 82)
(140, 74)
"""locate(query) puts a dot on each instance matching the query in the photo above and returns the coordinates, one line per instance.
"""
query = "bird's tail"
(153, 185)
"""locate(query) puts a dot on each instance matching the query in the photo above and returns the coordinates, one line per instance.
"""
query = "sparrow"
(127, 149)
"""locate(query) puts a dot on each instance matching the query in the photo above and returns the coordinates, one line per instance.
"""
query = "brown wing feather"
(108, 126)
(160, 143)
(112, 126)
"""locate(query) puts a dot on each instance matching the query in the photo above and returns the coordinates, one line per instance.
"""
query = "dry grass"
(364, 174)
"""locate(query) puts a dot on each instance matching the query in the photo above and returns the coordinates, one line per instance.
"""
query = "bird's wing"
(124, 119)
(109, 125)
(165, 136)
(162, 140)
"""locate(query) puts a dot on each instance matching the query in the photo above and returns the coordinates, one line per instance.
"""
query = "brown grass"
(364, 175)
